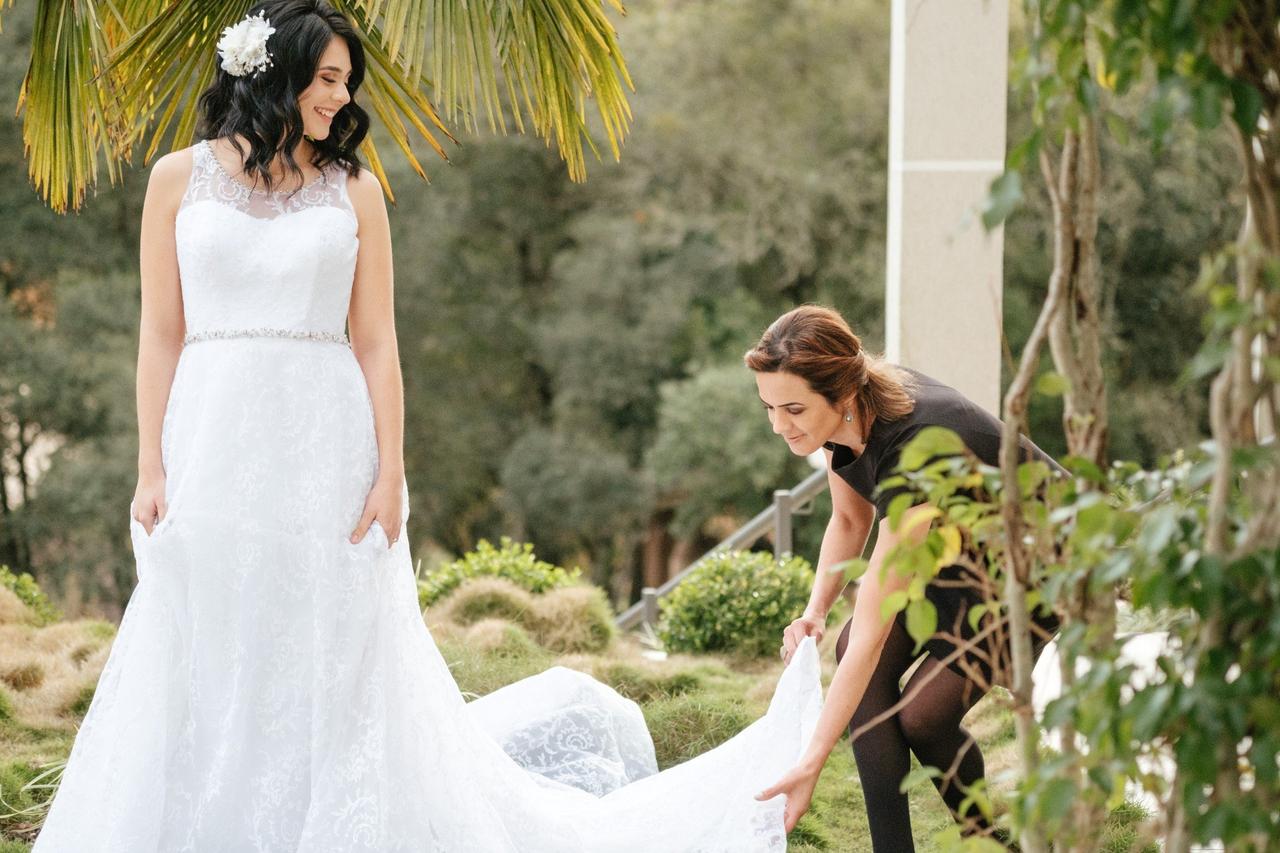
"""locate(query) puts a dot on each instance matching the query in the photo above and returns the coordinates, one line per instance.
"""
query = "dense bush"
(737, 601)
(29, 593)
(513, 561)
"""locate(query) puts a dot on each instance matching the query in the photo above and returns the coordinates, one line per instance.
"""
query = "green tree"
(714, 453)
(66, 404)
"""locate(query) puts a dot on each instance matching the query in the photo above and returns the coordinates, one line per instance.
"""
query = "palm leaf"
(551, 54)
(107, 74)
(65, 122)
(167, 59)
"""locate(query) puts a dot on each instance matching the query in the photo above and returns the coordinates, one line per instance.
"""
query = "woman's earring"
(848, 417)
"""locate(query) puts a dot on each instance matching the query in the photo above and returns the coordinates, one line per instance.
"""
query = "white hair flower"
(243, 47)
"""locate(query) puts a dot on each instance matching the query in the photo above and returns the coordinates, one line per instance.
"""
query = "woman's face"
(798, 413)
(328, 90)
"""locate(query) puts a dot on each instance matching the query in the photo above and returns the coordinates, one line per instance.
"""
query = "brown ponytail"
(816, 344)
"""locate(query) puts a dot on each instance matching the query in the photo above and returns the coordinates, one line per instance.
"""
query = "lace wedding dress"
(272, 686)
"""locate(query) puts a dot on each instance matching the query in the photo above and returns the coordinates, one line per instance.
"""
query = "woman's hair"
(263, 107)
(816, 344)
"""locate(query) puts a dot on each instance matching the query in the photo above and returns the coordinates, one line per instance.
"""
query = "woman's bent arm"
(845, 539)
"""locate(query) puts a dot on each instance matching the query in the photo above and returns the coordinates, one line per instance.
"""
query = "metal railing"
(777, 517)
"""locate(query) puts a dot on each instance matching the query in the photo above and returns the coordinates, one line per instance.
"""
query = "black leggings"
(929, 725)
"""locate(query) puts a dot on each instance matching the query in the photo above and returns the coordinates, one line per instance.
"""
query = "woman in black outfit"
(822, 390)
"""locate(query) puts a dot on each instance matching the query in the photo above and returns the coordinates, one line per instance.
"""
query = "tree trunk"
(1075, 336)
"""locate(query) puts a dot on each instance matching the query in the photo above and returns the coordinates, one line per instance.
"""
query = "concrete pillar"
(948, 79)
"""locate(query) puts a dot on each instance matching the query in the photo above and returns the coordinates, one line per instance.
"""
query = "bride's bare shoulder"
(170, 173)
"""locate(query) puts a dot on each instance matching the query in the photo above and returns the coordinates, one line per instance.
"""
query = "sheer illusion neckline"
(213, 155)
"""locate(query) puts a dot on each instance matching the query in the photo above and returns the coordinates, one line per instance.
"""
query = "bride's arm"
(372, 327)
(866, 640)
(161, 327)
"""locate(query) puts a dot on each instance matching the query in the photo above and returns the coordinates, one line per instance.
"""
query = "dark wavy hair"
(263, 107)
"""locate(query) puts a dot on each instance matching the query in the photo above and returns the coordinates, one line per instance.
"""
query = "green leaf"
(1024, 151)
(1206, 105)
(893, 603)
(1246, 106)
(917, 776)
(1056, 799)
(897, 507)
(1004, 195)
(1158, 529)
(1207, 361)
(1119, 129)
(929, 443)
(922, 620)
(852, 569)
(1031, 475)
(1084, 468)
(1092, 520)
(1052, 384)
(976, 612)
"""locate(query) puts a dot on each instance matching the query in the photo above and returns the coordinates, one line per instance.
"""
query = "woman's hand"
(383, 505)
(805, 626)
(798, 785)
(149, 504)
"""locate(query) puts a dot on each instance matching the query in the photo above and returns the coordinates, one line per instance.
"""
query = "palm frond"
(106, 74)
(65, 123)
(552, 55)
(166, 60)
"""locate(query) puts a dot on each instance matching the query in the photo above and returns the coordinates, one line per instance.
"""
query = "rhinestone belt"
(301, 334)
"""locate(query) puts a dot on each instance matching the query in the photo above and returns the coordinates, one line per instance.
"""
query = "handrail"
(786, 504)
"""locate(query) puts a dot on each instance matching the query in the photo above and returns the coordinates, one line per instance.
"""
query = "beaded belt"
(211, 334)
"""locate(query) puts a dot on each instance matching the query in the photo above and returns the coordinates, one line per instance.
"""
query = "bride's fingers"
(362, 527)
(770, 793)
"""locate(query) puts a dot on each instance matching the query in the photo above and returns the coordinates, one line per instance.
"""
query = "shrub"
(29, 593)
(573, 619)
(512, 561)
(502, 639)
(738, 601)
(486, 598)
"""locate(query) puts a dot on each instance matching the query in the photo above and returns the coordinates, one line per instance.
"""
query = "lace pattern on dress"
(211, 180)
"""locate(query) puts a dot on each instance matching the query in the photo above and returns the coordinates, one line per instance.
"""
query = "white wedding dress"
(272, 686)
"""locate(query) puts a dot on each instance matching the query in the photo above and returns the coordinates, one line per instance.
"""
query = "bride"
(272, 685)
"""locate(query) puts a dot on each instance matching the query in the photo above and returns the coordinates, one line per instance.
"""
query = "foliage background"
(571, 352)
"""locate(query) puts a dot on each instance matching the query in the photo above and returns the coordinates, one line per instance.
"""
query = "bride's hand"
(383, 505)
(798, 785)
(149, 506)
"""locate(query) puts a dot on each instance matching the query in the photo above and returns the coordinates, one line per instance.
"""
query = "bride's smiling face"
(327, 93)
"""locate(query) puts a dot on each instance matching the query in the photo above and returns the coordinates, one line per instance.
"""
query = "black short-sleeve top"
(936, 404)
